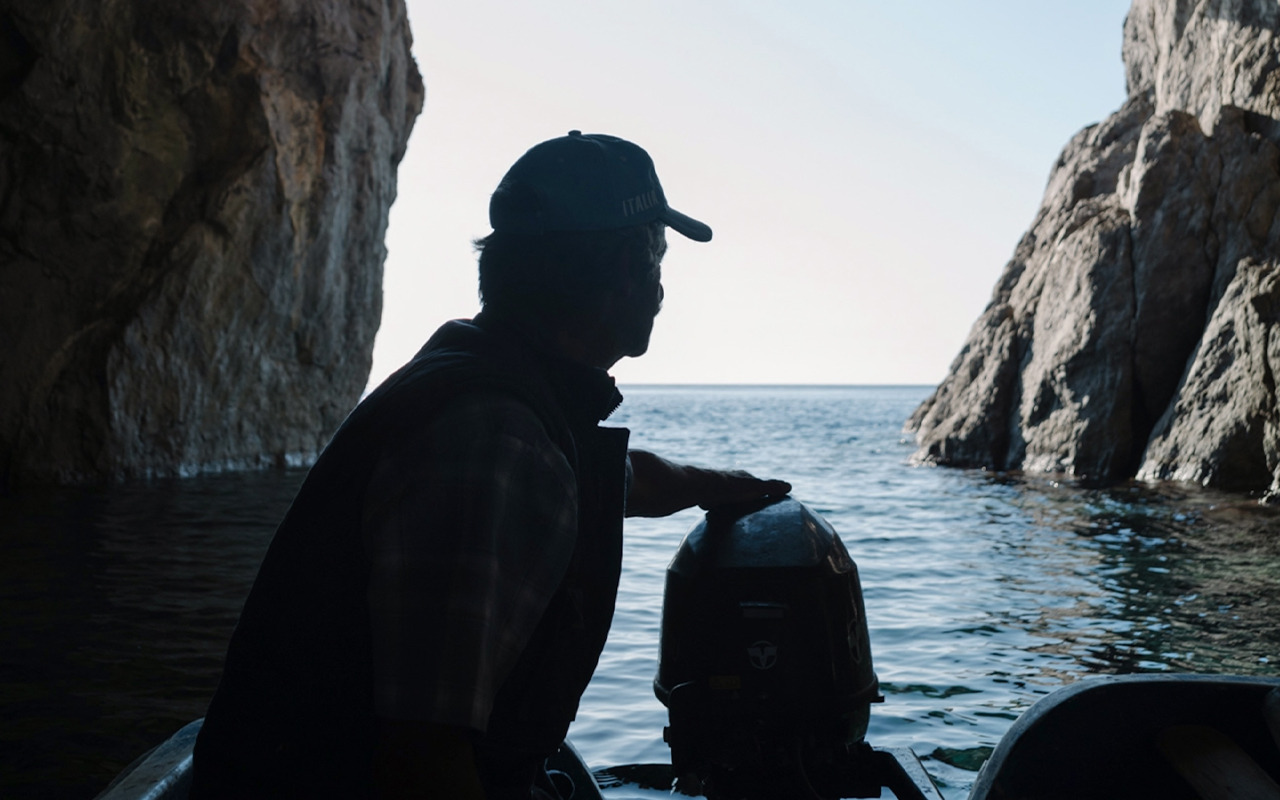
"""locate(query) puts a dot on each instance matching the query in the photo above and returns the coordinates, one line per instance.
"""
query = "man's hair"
(554, 277)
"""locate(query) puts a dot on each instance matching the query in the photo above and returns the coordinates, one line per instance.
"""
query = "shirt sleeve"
(469, 528)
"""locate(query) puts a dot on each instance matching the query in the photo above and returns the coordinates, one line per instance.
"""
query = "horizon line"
(638, 385)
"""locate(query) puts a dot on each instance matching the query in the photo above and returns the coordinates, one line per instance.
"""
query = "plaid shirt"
(469, 527)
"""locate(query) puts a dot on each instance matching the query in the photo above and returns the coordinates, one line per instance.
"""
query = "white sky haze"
(867, 167)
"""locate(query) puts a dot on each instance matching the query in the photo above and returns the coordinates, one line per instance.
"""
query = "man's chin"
(639, 349)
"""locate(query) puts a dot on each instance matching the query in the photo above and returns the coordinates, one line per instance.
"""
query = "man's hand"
(660, 487)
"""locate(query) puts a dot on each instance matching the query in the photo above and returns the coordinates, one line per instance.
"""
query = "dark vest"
(293, 715)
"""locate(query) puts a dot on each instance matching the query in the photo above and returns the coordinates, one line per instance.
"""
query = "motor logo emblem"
(763, 654)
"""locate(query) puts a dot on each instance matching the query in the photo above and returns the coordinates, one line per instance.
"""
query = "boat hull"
(1134, 736)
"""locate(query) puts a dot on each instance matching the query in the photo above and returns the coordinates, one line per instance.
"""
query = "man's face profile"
(630, 314)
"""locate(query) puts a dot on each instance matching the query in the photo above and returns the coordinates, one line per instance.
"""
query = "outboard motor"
(765, 663)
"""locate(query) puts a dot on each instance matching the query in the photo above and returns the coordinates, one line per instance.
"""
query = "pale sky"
(867, 167)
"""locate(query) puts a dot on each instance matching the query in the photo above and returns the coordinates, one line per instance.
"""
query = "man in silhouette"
(436, 599)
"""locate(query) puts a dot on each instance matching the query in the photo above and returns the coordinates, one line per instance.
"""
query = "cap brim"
(686, 225)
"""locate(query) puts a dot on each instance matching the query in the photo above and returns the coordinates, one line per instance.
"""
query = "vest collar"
(585, 393)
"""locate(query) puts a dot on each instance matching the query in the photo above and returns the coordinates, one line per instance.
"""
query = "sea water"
(983, 591)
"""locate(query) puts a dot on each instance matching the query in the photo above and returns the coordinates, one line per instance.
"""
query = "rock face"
(1130, 332)
(1224, 428)
(193, 198)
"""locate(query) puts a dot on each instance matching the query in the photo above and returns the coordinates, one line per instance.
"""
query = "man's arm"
(660, 487)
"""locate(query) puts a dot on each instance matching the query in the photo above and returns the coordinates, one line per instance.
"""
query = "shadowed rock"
(193, 198)
(1223, 428)
(1085, 360)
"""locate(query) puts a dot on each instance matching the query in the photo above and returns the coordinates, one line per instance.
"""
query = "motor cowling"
(765, 663)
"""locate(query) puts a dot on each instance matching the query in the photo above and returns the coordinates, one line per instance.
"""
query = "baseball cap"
(585, 182)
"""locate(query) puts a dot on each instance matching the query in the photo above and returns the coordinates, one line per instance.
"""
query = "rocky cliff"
(1135, 329)
(193, 197)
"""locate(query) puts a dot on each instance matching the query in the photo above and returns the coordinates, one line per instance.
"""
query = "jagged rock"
(1081, 362)
(1045, 387)
(193, 198)
(1200, 55)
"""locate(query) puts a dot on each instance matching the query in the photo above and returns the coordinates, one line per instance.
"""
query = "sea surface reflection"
(983, 591)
